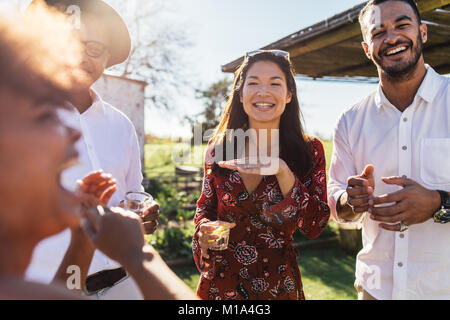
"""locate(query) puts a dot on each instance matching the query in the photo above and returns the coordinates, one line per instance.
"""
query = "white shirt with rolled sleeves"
(109, 142)
(414, 264)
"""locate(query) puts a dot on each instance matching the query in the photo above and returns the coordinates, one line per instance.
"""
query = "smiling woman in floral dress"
(265, 204)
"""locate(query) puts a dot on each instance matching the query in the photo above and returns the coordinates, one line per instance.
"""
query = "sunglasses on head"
(279, 53)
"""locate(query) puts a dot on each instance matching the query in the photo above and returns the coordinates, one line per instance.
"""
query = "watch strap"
(445, 199)
(443, 214)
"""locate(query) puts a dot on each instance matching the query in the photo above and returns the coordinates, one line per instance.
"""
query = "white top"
(414, 264)
(109, 142)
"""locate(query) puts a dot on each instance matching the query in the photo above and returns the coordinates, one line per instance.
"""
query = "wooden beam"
(436, 56)
(329, 39)
(342, 72)
(428, 5)
(352, 30)
(318, 61)
(443, 69)
(347, 17)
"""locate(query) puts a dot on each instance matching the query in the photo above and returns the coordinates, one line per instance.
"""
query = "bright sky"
(223, 30)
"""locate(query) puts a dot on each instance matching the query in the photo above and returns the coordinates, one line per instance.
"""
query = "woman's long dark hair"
(294, 148)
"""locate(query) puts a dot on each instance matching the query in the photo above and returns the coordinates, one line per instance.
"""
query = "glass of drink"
(222, 229)
(138, 202)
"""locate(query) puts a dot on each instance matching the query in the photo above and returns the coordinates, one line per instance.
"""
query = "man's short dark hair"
(372, 3)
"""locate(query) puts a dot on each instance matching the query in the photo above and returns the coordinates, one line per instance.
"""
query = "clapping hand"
(360, 190)
(411, 205)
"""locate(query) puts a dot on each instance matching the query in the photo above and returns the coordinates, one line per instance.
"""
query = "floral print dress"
(260, 262)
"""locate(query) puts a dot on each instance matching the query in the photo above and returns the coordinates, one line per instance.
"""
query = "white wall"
(128, 96)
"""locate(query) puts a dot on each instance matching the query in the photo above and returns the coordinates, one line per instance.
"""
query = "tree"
(215, 97)
(159, 41)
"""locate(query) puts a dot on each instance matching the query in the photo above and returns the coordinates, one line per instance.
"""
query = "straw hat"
(119, 45)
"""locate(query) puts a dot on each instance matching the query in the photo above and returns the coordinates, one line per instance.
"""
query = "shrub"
(175, 242)
(171, 201)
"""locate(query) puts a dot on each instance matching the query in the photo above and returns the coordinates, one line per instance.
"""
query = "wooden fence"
(184, 179)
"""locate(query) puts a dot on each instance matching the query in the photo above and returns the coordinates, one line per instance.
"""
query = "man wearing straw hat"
(108, 145)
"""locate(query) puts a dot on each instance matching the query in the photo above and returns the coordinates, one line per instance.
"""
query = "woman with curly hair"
(265, 177)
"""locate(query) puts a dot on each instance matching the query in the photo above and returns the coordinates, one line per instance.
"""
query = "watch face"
(442, 216)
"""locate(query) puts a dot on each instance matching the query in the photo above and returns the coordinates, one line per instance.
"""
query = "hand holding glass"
(222, 229)
(138, 202)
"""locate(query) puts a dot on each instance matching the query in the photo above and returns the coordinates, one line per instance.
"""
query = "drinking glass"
(138, 202)
(222, 229)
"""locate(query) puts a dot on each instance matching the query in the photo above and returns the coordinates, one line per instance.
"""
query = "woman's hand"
(94, 189)
(97, 187)
(264, 166)
(106, 224)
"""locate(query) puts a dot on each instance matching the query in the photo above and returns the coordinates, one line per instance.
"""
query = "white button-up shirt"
(109, 142)
(414, 264)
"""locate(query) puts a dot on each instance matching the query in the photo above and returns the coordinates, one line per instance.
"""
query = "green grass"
(328, 147)
(190, 275)
(160, 158)
(327, 274)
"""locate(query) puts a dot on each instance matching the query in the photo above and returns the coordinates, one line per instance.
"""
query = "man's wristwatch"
(443, 215)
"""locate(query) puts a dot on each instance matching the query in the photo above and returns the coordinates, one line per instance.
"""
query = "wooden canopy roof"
(332, 48)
